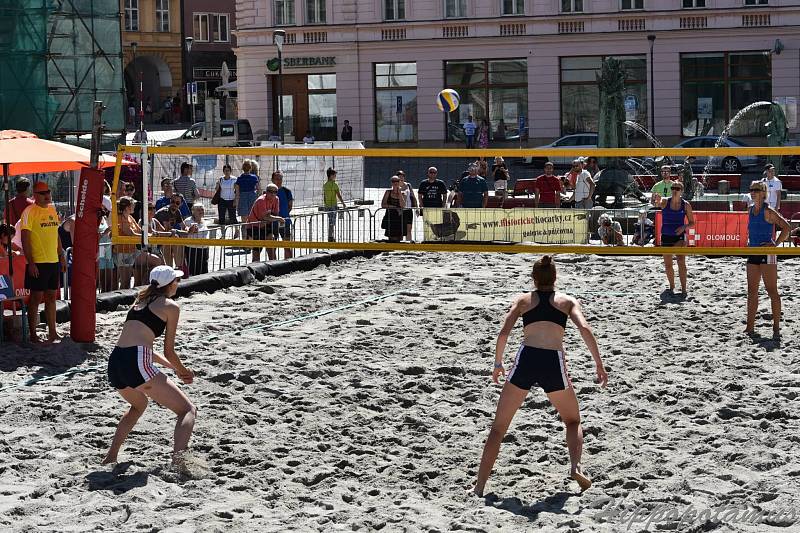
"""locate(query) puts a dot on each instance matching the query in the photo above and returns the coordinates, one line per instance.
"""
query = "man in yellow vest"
(45, 256)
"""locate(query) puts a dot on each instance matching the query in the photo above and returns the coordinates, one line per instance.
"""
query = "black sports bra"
(545, 311)
(148, 318)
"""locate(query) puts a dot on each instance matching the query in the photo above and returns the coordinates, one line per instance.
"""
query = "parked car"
(791, 163)
(730, 164)
(230, 133)
(577, 140)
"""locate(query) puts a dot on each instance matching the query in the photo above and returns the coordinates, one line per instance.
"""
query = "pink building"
(381, 63)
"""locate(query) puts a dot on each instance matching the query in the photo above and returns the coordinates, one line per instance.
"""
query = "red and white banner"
(714, 229)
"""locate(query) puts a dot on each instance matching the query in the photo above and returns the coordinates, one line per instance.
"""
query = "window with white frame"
(162, 15)
(219, 27)
(572, 6)
(756, 2)
(211, 28)
(632, 4)
(513, 7)
(131, 15)
(315, 11)
(394, 9)
(690, 4)
(201, 27)
(455, 8)
(284, 12)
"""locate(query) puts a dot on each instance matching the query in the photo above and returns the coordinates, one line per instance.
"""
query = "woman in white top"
(227, 197)
(410, 203)
(197, 255)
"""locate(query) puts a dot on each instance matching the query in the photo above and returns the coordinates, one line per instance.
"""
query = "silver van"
(228, 133)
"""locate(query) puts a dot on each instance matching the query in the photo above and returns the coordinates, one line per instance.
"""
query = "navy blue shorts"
(538, 366)
(131, 366)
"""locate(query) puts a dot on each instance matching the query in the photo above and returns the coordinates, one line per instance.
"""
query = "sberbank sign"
(302, 62)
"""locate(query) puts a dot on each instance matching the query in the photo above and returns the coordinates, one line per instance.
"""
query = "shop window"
(689, 4)
(322, 120)
(513, 7)
(396, 102)
(580, 95)
(716, 86)
(572, 6)
(494, 92)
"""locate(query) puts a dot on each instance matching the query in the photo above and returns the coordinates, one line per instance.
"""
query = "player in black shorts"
(540, 361)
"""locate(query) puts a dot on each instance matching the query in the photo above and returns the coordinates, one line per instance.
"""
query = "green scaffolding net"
(56, 58)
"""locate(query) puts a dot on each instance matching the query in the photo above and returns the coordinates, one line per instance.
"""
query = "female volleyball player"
(760, 231)
(130, 366)
(540, 361)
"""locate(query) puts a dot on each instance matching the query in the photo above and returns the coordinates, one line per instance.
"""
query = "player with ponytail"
(130, 366)
(540, 361)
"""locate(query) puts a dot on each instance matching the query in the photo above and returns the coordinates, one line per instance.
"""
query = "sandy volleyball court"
(357, 398)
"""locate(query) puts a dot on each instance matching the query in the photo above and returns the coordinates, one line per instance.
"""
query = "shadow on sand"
(117, 480)
(552, 504)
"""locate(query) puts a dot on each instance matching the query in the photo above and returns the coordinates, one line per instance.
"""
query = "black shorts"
(131, 367)
(258, 232)
(538, 366)
(47, 280)
(762, 259)
(284, 231)
(670, 240)
(408, 216)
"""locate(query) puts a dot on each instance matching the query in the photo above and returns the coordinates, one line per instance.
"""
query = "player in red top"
(548, 188)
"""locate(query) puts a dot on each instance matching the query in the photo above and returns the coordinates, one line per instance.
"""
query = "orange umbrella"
(24, 153)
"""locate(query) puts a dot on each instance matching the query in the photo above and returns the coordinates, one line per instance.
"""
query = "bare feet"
(53, 338)
(476, 491)
(35, 339)
(581, 478)
(109, 459)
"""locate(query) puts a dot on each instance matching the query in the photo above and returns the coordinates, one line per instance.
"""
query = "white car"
(730, 164)
(576, 140)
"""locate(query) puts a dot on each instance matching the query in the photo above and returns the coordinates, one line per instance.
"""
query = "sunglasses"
(676, 188)
(432, 172)
(756, 190)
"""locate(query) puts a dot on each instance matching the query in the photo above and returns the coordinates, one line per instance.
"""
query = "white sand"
(374, 417)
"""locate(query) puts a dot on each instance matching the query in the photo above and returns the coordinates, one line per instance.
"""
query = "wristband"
(498, 365)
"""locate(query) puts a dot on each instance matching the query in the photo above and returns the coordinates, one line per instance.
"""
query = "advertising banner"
(543, 226)
(714, 229)
(19, 276)
(84, 255)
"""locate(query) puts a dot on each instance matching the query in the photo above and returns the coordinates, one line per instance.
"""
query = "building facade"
(211, 24)
(155, 27)
(381, 63)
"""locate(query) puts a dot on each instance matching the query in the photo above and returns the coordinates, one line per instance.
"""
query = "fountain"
(727, 131)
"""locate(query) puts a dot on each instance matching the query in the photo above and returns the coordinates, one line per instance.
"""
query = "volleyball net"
(625, 220)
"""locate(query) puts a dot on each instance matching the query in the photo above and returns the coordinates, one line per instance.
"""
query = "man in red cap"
(45, 256)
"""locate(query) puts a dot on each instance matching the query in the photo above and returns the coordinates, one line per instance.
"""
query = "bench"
(524, 187)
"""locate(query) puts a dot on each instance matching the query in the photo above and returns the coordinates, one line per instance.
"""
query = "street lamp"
(189, 95)
(652, 39)
(278, 37)
(140, 136)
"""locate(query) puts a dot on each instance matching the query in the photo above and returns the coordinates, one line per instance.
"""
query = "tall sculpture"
(611, 82)
(613, 180)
